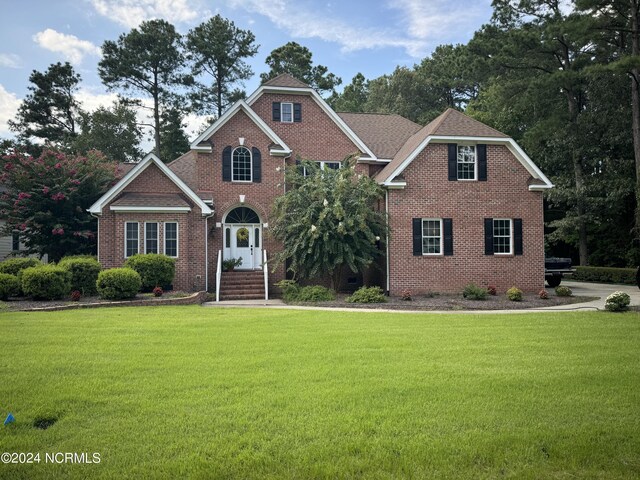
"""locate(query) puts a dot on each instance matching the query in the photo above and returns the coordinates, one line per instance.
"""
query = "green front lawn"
(176, 392)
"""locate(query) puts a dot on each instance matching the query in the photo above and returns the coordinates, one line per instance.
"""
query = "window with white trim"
(131, 239)
(241, 165)
(432, 236)
(151, 237)
(324, 165)
(171, 239)
(502, 236)
(467, 164)
(286, 112)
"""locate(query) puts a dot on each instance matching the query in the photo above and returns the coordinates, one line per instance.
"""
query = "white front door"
(245, 243)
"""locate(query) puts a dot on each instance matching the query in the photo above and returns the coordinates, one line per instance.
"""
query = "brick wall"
(429, 194)
(190, 264)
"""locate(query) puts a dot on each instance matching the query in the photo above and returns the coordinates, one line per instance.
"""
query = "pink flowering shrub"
(47, 198)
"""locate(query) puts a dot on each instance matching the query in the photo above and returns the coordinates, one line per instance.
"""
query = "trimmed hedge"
(367, 295)
(13, 266)
(46, 282)
(9, 286)
(625, 276)
(84, 272)
(315, 293)
(156, 270)
(118, 283)
(474, 292)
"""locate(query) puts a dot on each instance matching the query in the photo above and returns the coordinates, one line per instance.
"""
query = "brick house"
(464, 201)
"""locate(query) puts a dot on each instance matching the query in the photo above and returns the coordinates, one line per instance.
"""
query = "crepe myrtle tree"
(46, 200)
(327, 220)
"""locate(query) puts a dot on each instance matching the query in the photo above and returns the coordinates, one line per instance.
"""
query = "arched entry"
(243, 237)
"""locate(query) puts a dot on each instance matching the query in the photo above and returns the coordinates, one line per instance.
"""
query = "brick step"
(233, 291)
(242, 281)
(242, 296)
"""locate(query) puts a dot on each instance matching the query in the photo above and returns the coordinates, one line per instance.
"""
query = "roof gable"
(453, 126)
(306, 90)
(285, 80)
(148, 160)
(280, 147)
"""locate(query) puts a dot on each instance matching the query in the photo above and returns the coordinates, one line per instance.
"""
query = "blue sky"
(371, 37)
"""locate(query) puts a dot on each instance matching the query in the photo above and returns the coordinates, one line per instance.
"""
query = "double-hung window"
(171, 239)
(131, 239)
(151, 237)
(502, 236)
(286, 112)
(324, 165)
(432, 236)
(467, 164)
(241, 165)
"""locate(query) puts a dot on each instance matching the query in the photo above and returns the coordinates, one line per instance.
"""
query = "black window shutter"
(297, 112)
(482, 162)
(257, 165)
(226, 164)
(447, 226)
(517, 236)
(453, 161)
(417, 236)
(488, 236)
(275, 110)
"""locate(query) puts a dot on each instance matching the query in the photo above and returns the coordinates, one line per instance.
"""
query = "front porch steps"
(242, 285)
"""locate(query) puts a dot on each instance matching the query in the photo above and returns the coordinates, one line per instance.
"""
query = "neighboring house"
(11, 244)
(464, 200)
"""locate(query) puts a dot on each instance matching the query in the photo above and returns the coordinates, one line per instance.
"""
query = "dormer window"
(286, 112)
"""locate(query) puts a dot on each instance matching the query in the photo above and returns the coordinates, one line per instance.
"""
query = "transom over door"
(243, 239)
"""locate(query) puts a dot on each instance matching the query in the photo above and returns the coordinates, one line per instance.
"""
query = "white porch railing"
(218, 275)
(265, 269)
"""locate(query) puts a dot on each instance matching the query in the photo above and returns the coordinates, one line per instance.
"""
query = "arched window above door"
(242, 215)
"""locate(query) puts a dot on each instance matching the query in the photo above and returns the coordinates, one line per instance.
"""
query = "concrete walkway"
(600, 290)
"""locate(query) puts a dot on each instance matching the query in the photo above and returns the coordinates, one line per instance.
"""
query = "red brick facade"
(428, 194)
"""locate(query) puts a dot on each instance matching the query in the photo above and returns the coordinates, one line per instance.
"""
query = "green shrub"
(514, 294)
(13, 266)
(617, 302)
(290, 289)
(367, 295)
(626, 276)
(474, 292)
(9, 286)
(46, 282)
(118, 283)
(84, 272)
(563, 291)
(315, 293)
(155, 270)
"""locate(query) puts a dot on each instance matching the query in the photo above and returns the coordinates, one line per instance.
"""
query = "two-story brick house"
(464, 201)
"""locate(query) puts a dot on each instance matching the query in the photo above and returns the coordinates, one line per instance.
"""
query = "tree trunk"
(156, 114)
(635, 106)
(579, 179)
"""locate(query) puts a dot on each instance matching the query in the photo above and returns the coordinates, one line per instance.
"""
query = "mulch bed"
(169, 298)
(454, 302)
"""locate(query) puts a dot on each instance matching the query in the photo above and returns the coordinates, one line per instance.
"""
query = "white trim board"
(150, 159)
(323, 105)
(510, 143)
(240, 105)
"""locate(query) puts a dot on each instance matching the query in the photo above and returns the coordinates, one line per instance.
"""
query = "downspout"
(386, 209)
(206, 250)
(97, 217)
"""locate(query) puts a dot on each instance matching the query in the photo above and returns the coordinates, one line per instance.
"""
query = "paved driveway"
(602, 290)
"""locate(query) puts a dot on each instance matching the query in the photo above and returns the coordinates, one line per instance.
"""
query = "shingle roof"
(451, 123)
(131, 199)
(383, 133)
(185, 168)
(285, 80)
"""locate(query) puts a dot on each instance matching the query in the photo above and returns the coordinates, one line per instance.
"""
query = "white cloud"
(9, 104)
(423, 24)
(70, 46)
(10, 60)
(131, 13)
